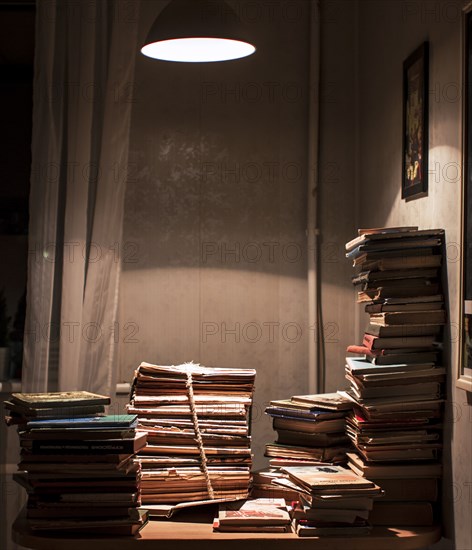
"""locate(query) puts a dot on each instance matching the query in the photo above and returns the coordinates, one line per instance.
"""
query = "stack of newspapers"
(198, 424)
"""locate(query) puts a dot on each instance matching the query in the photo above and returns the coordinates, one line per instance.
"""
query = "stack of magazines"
(310, 429)
(197, 421)
(77, 465)
(333, 501)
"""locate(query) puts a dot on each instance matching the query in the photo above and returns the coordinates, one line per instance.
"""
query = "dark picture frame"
(415, 123)
(464, 375)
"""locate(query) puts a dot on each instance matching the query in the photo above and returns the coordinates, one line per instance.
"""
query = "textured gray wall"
(206, 142)
(215, 211)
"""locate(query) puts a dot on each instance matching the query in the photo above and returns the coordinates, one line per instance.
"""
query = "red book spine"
(369, 341)
(362, 350)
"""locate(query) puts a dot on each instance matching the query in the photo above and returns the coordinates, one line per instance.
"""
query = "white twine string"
(198, 435)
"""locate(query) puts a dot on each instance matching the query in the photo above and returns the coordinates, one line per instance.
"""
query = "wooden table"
(194, 532)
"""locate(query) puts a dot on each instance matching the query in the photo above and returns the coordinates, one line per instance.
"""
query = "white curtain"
(83, 96)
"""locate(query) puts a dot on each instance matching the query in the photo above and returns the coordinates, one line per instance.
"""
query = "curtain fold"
(84, 77)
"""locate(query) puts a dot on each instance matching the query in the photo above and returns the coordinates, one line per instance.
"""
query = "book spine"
(373, 308)
(437, 317)
(86, 447)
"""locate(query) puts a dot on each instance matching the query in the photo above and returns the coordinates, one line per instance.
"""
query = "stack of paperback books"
(333, 501)
(198, 425)
(397, 382)
(78, 470)
(310, 429)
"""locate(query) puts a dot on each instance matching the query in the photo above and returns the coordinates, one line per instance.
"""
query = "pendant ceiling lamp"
(197, 31)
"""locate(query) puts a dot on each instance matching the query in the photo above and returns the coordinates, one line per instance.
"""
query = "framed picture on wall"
(465, 357)
(415, 124)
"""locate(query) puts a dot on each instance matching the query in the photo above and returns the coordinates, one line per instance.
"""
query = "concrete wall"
(215, 264)
(215, 210)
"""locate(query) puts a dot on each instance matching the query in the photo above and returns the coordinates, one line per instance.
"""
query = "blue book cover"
(94, 422)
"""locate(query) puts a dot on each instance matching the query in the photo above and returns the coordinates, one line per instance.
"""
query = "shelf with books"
(195, 531)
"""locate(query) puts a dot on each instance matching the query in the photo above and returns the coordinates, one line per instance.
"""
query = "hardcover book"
(59, 399)
(333, 401)
(402, 331)
(386, 235)
(89, 423)
(317, 478)
(106, 446)
(262, 511)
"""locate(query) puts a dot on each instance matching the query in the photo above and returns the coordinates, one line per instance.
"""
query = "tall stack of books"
(332, 500)
(397, 382)
(310, 429)
(198, 425)
(77, 465)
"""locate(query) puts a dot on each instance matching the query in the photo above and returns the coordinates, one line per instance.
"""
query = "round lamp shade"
(196, 31)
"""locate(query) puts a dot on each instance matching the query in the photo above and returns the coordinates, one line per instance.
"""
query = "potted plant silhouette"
(16, 339)
(4, 350)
